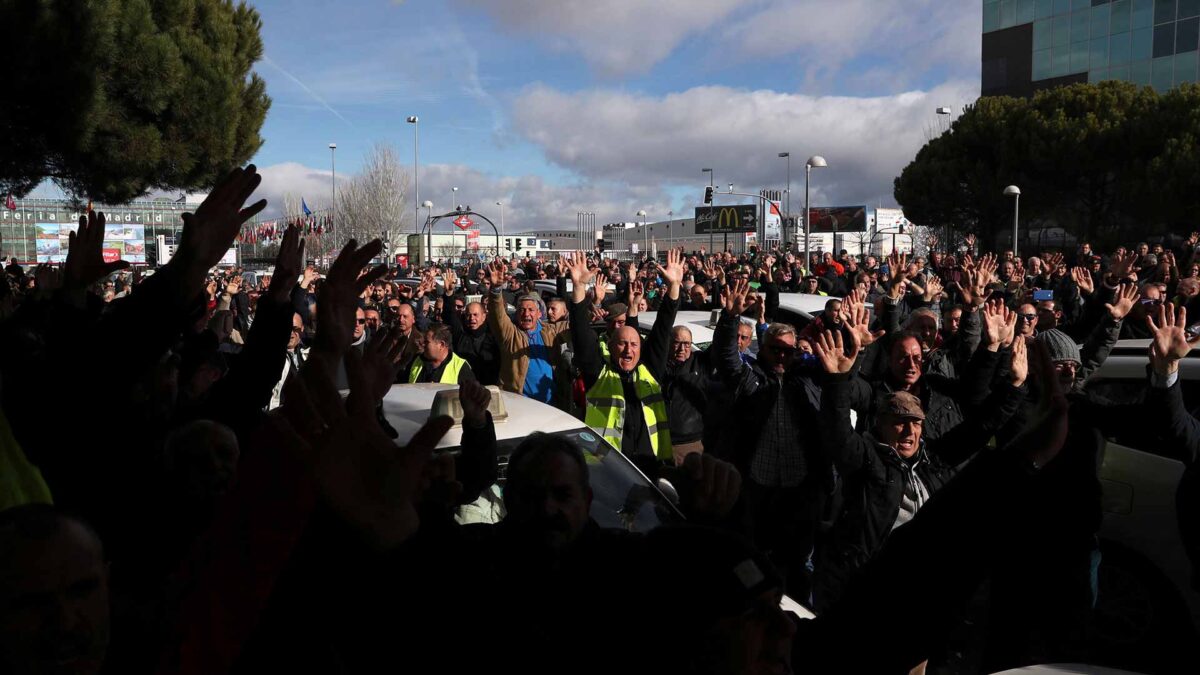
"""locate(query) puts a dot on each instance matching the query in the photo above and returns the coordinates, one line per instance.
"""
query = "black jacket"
(477, 346)
(874, 477)
(756, 393)
(686, 387)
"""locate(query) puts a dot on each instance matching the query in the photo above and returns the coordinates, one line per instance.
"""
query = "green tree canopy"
(112, 98)
(1107, 162)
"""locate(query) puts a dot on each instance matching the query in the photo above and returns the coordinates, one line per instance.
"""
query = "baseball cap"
(617, 309)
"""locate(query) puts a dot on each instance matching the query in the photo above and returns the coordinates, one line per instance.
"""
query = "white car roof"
(406, 407)
(1129, 358)
(802, 302)
(700, 323)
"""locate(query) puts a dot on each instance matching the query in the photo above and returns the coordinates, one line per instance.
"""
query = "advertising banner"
(726, 219)
(838, 218)
(773, 222)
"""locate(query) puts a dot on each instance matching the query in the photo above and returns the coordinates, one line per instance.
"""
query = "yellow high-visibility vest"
(449, 375)
(605, 411)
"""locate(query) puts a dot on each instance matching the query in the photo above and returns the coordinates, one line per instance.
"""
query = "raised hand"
(1120, 267)
(831, 350)
(933, 289)
(449, 282)
(735, 297)
(48, 278)
(673, 272)
(367, 480)
(970, 241)
(234, 286)
(1083, 279)
(858, 320)
(1170, 343)
(496, 272)
(381, 361)
(707, 485)
(999, 324)
(1127, 296)
(637, 291)
(287, 265)
(1019, 365)
(85, 256)
(475, 399)
(209, 232)
(338, 297)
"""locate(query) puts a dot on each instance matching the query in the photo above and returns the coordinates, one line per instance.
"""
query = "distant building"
(37, 230)
(1030, 45)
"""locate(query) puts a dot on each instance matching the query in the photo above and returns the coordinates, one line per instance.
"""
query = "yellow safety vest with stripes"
(449, 375)
(606, 409)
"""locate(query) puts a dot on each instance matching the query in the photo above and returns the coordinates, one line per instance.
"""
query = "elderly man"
(472, 340)
(686, 383)
(625, 401)
(438, 362)
(890, 471)
(524, 344)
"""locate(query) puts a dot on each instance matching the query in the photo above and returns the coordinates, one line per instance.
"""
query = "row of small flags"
(270, 231)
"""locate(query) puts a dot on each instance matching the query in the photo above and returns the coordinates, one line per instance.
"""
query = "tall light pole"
(429, 235)
(332, 187)
(710, 184)
(787, 209)
(645, 236)
(670, 241)
(453, 197)
(816, 161)
(413, 120)
(1014, 192)
(501, 205)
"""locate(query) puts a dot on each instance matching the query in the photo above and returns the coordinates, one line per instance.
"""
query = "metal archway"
(430, 221)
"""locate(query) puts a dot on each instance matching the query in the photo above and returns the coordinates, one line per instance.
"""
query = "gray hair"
(779, 330)
(535, 298)
(917, 314)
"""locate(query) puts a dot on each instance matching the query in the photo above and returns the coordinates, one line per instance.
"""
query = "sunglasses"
(361, 321)
(1029, 317)
(1151, 302)
(394, 308)
(782, 350)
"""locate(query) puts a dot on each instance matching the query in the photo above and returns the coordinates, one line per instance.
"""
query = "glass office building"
(1147, 42)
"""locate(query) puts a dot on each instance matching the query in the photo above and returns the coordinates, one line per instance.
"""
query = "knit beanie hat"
(1060, 346)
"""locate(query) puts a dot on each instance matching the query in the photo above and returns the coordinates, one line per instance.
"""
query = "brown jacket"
(514, 343)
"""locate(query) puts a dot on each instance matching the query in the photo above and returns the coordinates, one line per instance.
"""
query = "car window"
(622, 497)
(1128, 391)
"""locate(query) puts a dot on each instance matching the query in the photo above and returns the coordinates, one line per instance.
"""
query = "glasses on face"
(1029, 318)
(675, 344)
(782, 350)
(297, 329)
(1151, 302)
(395, 309)
(360, 321)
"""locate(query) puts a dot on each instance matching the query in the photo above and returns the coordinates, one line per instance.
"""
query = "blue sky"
(610, 106)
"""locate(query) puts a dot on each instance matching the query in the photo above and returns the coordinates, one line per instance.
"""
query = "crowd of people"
(187, 486)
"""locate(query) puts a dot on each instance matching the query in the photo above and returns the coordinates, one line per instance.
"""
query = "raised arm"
(584, 342)
(658, 342)
(846, 448)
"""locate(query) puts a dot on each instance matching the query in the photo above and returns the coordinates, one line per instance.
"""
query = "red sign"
(401, 260)
(473, 240)
(111, 255)
(463, 222)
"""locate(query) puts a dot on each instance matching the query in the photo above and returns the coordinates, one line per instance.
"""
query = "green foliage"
(1107, 162)
(112, 98)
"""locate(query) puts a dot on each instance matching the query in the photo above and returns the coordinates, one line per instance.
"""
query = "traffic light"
(708, 193)
(600, 245)
(518, 243)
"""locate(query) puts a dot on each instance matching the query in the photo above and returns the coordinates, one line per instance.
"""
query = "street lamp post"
(453, 197)
(645, 236)
(670, 242)
(429, 234)
(414, 120)
(788, 192)
(710, 184)
(501, 205)
(816, 161)
(332, 191)
(1014, 192)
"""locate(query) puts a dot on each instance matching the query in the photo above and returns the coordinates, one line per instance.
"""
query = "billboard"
(121, 242)
(838, 218)
(726, 219)
(773, 222)
(891, 220)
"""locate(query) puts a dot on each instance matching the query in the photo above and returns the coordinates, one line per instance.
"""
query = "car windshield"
(622, 496)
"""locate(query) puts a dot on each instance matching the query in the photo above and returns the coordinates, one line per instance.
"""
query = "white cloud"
(293, 178)
(616, 37)
(908, 37)
(610, 135)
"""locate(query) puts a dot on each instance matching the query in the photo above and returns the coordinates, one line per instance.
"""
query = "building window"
(1186, 33)
(1099, 53)
(1189, 8)
(1041, 65)
(1118, 49)
(1119, 16)
(1062, 7)
(1043, 9)
(1079, 57)
(1164, 40)
(1025, 12)
(991, 16)
(1164, 11)
(1100, 21)
(1008, 13)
